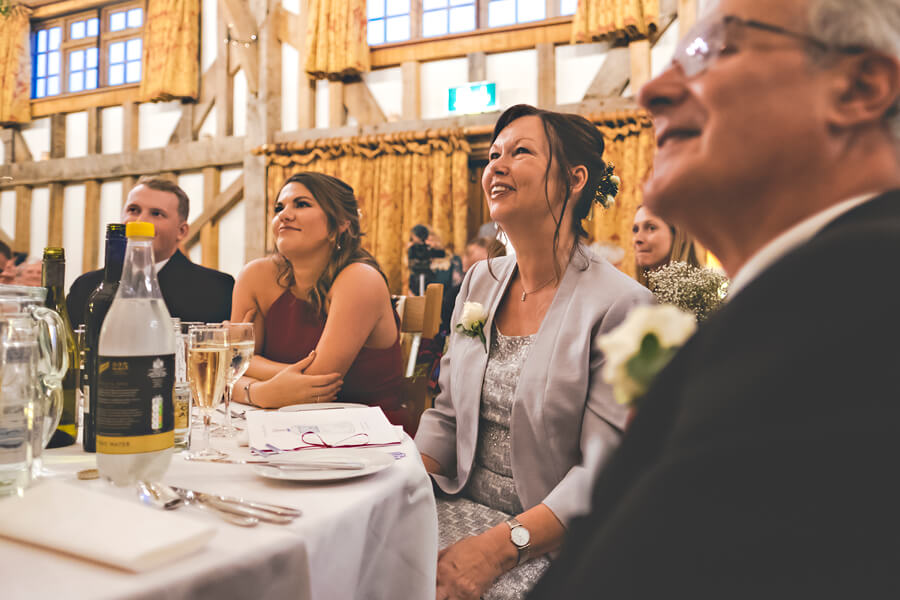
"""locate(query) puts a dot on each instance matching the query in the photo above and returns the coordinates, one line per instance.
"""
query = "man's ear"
(866, 90)
(182, 231)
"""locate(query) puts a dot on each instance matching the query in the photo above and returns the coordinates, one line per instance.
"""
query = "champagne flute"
(240, 351)
(208, 368)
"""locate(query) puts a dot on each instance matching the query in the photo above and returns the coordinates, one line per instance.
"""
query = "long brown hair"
(338, 202)
(573, 141)
(683, 249)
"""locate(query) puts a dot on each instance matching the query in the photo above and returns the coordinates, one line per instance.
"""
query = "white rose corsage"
(471, 323)
(638, 349)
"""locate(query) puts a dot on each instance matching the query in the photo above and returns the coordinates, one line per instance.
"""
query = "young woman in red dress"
(325, 327)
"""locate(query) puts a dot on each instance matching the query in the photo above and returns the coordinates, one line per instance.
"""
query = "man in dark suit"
(191, 292)
(762, 462)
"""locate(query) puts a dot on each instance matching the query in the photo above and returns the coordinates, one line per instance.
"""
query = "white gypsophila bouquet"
(697, 289)
(638, 349)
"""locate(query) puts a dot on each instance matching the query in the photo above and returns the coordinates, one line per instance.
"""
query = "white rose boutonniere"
(641, 346)
(471, 323)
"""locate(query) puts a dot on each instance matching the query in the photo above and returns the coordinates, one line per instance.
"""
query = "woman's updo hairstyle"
(573, 141)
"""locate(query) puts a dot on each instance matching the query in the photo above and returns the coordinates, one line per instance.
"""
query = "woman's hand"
(292, 386)
(468, 568)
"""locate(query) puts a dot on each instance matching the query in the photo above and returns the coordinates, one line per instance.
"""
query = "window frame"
(101, 41)
(552, 13)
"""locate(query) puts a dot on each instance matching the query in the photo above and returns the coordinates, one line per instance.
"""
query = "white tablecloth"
(368, 538)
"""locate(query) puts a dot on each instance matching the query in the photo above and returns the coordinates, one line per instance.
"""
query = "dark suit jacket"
(191, 292)
(763, 462)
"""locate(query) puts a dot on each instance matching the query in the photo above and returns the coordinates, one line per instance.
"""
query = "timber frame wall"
(261, 63)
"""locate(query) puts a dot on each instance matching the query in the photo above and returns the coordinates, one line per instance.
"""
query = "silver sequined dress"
(490, 496)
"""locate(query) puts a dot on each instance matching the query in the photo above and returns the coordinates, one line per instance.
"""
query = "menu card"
(326, 428)
(96, 526)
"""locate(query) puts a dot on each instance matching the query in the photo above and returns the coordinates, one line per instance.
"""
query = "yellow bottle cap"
(139, 229)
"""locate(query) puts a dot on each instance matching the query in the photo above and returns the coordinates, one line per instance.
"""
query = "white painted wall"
(8, 212)
(76, 134)
(40, 217)
(73, 240)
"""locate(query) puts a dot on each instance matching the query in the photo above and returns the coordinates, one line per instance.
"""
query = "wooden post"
(412, 90)
(224, 81)
(546, 73)
(94, 131)
(23, 219)
(477, 66)
(687, 16)
(130, 126)
(337, 114)
(57, 189)
(640, 64)
(209, 235)
(264, 119)
(306, 89)
(91, 240)
(58, 136)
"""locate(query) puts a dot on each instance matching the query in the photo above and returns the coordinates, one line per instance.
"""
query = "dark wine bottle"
(53, 277)
(95, 311)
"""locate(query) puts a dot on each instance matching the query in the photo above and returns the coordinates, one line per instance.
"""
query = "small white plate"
(374, 460)
(320, 406)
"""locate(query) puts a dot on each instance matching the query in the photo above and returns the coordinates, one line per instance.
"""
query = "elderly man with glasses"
(762, 462)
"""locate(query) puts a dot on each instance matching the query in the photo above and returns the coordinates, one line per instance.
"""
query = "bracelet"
(247, 395)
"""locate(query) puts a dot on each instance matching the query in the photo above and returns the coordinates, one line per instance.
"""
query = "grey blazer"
(562, 412)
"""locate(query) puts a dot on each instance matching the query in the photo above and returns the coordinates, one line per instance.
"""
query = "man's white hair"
(868, 23)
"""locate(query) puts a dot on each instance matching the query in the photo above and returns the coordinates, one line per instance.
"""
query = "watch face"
(520, 536)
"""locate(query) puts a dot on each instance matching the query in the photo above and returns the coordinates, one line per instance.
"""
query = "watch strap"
(513, 523)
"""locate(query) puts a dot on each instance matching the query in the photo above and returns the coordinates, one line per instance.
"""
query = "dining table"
(368, 537)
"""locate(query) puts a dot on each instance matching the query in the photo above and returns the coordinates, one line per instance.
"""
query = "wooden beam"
(306, 87)
(111, 97)
(291, 27)
(6, 239)
(222, 203)
(546, 74)
(57, 136)
(337, 114)
(207, 99)
(412, 90)
(183, 157)
(130, 127)
(613, 76)
(361, 104)
(15, 147)
(184, 129)
(640, 64)
(224, 83)
(490, 41)
(23, 219)
(209, 233)
(242, 25)
(55, 222)
(91, 238)
(687, 16)
(477, 64)
(128, 184)
(94, 131)
(55, 9)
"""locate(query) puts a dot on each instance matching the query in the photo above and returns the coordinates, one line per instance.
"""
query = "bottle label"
(135, 411)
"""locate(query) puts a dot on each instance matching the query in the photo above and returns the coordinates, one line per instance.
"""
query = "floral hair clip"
(607, 188)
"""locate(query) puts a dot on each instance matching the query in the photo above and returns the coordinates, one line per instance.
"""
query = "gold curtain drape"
(171, 50)
(400, 180)
(630, 146)
(15, 66)
(614, 19)
(336, 44)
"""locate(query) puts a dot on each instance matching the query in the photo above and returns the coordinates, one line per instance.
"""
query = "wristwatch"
(520, 537)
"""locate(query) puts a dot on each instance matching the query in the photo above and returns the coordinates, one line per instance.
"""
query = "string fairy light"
(234, 41)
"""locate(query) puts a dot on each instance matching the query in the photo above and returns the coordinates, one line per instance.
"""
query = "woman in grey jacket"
(522, 404)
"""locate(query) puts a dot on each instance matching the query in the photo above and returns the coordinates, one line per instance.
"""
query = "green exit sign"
(473, 98)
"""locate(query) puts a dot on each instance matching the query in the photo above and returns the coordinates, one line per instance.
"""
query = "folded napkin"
(99, 527)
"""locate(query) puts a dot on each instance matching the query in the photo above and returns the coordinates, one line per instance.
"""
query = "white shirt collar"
(161, 264)
(794, 237)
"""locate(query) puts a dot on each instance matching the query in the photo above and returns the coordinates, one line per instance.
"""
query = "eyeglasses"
(710, 39)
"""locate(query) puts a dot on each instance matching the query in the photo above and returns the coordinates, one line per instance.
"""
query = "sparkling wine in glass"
(208, 356)
(240, 351)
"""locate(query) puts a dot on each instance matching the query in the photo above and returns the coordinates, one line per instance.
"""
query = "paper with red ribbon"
(272, 432)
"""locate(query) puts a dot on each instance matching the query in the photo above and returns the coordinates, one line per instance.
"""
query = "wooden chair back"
(420, 318)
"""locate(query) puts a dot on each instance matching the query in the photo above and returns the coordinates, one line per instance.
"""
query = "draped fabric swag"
(336, 44)
(399, 179)
(15, 66)
(614, 20)
(630, 146)
(171, 50)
